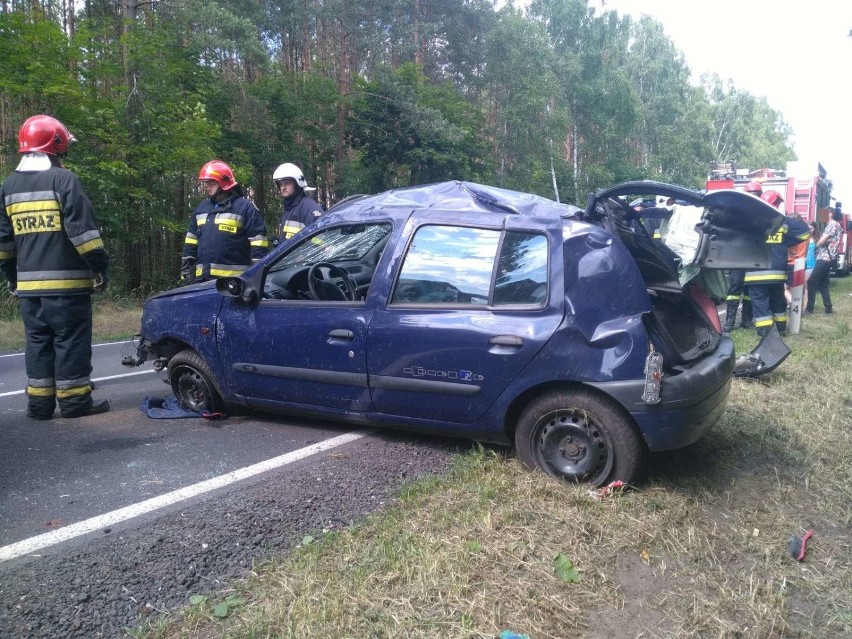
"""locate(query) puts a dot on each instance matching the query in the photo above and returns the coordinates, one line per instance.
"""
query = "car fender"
(177, 318)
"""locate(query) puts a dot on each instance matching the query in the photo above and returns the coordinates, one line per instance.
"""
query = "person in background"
(795, 252)
(826, 251)
(737, 289)
(766, 288)
(810, 257)
(226, 233)
(53, 257)
(810, 260)
(299, 209)
(654, 225)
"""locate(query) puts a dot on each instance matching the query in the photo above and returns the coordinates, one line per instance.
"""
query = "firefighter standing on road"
(226, 232)
(737, 289)
(766, 288)
(53, 258)
(299, 210)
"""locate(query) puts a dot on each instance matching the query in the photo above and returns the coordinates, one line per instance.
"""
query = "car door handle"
(506, 340)
(341, 333)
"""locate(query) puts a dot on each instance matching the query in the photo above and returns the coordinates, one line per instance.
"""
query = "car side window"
(455, 265)
(522, 270)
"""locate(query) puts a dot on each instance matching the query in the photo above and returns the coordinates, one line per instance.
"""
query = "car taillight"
(706, 304)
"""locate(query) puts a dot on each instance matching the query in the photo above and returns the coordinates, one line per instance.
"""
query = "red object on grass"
(797, 545)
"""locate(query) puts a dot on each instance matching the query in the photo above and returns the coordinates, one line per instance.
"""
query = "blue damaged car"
(478, 312)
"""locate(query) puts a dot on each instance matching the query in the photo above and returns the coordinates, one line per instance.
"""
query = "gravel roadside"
(102, 587)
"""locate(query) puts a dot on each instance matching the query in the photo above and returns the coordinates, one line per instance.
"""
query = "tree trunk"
(260, 189)
(418, 58)
(343, 86)
(553, 173)
(575, 154)
(71, 29)
(134, 218)
(306, 40)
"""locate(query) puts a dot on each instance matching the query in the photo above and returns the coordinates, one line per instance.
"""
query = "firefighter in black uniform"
(737, 290)
(226, 234)
(299, 209)
(53, 258)
(766, 288)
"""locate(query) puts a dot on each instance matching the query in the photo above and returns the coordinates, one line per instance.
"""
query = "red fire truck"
(805, 189)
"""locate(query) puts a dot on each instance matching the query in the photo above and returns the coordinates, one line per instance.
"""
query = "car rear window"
(456, 265)
(522, 270)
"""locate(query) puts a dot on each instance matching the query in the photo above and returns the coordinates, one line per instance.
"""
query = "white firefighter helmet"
(664, 202)
(289, 170)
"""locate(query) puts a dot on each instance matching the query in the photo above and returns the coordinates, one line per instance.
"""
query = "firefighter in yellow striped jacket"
(53, 258)
(766, 288)
(226, 233)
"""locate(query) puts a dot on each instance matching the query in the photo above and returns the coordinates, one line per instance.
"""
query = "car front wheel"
(193, 383)
(581, 436)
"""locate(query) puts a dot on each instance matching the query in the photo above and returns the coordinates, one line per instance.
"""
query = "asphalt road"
(108, 519)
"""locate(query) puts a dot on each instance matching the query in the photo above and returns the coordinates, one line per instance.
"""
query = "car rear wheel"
(581, 436)
(193, 383)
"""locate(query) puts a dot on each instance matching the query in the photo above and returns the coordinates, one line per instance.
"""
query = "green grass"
(698, 549)
(112, 320)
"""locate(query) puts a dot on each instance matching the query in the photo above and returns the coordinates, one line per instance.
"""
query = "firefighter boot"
(782, 328)
(747, 320)
(97, 406)
(730, 317)
(41, 406)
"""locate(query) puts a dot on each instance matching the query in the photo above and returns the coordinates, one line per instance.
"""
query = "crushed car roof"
(463, 197)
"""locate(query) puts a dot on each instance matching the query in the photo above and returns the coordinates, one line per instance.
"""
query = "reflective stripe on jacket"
(49, 239)
(225, 238)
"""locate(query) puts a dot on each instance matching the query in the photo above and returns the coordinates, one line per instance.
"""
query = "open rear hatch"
(702, 234)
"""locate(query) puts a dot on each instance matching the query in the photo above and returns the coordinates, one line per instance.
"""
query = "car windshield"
(341, 243)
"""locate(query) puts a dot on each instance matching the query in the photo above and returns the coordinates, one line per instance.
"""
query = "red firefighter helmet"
(44, 134)
(754, 187)
(772, 197)
(220, 173)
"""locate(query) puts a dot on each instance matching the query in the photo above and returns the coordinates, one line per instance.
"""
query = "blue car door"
(303, 343)
(296, 353)
(468, 310)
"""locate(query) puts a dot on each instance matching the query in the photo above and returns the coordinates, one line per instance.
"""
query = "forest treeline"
(558, 98)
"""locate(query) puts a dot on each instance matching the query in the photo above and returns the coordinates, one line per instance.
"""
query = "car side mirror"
(236, 287)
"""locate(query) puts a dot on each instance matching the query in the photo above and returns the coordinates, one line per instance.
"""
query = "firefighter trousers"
(770, 306)
(58, 354)
(736, 286)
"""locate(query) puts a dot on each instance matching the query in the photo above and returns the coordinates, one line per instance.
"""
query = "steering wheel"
(323, 289)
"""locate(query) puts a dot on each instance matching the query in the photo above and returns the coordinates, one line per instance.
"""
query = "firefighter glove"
(187, 268)
(101, 282)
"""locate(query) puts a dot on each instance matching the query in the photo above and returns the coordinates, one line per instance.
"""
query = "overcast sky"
(796, 53)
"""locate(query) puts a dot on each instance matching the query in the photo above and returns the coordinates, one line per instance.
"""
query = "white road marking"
(33, 544)
(94, 379)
